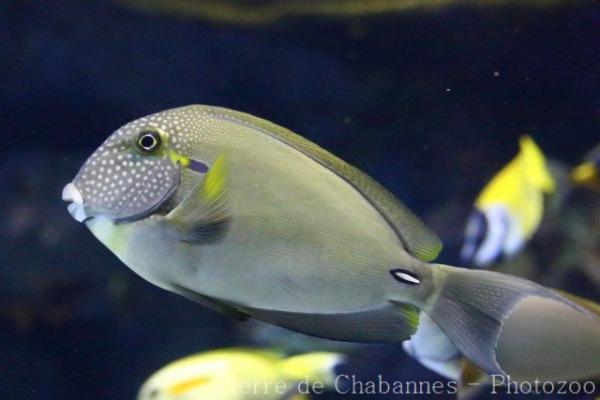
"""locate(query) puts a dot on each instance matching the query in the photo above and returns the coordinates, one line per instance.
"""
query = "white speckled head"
(141, 166)
(133, 173)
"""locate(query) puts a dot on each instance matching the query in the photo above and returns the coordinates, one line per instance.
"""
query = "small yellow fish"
(510, 208)
(588, 172)
(239, 374)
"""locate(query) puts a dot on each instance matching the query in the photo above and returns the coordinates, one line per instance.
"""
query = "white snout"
(72, 194)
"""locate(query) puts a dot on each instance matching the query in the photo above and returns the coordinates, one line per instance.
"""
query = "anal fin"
(211, 303)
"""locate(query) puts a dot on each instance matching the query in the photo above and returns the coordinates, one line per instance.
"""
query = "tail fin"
(472, 306)
(314, 367)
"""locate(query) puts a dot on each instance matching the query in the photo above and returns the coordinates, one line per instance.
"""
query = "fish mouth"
(71, 194)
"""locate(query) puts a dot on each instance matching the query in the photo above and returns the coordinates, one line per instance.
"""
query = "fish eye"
(148, 141)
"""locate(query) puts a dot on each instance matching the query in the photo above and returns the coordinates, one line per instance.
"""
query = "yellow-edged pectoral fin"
(204, 214)
(215, 181)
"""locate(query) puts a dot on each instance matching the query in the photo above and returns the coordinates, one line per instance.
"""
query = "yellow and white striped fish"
(510, 207)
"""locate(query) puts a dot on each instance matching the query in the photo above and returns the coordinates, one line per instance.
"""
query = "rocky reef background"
(429, 101)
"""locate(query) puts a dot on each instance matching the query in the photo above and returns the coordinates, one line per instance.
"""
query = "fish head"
(133, 173)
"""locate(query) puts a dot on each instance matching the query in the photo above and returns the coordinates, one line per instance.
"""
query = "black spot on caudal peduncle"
(405, 276)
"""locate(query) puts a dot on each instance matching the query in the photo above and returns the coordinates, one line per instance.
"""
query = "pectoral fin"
(203, 215)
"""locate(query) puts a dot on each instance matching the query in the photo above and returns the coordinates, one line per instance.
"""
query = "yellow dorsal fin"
(534, 163)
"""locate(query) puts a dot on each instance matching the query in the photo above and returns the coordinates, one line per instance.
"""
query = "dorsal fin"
(417, 239)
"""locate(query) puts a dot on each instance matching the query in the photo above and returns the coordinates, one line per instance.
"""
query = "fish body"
(299, 235)
(510, 208)
(240, 374)
(587, 173)
(250, 219)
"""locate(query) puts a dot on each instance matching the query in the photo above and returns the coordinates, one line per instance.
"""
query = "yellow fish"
(588, 173)
(510, 208)
(240, 374)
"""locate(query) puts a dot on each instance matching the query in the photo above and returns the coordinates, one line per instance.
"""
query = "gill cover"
(122, 183)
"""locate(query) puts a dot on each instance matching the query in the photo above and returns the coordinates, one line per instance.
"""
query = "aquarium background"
(429, 102)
